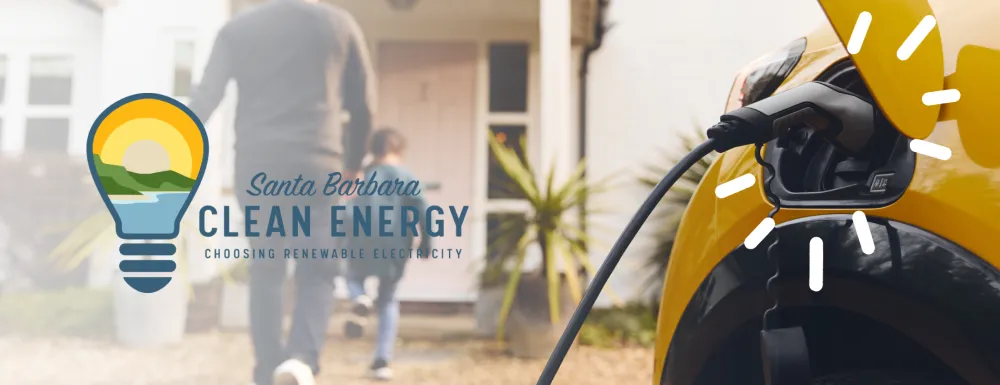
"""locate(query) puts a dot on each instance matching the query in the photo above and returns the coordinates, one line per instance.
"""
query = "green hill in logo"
(119, 181)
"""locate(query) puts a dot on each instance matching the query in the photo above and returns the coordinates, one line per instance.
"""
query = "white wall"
(48, 27)
(138, 37)
(664, 65)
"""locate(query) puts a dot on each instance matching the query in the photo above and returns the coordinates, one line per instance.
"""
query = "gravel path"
(220, 358)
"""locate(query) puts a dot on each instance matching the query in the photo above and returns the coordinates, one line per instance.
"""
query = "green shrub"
(74, 311)
(666, 219)
(630, 325)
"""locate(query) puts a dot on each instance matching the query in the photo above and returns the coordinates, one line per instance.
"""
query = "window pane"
(501, 186)
(51, 80)
(503, 230)
(3, 77)
(509, 77)
(183, 63)
(46, 134)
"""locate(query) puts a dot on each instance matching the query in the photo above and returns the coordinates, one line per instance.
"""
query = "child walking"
(387, 146)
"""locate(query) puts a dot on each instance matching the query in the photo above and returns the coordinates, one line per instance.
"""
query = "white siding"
(139, 39)
(48, 27)
(664, 65)
(41, 21)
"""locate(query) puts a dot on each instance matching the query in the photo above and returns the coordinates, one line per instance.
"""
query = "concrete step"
(415, 326)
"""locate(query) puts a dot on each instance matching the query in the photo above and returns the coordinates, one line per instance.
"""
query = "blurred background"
(620, 85)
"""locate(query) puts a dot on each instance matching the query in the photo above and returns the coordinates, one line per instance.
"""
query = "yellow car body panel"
(898, 85)
(958, 198)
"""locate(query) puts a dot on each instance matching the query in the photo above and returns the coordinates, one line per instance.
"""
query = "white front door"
(427, 92)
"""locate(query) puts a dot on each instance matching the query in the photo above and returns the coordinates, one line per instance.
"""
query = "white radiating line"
(941, 97)
(757, 235)
(734, 186)
(816, 264)
(932, 150)
(916, 37)
(860, 31)
(864, 232)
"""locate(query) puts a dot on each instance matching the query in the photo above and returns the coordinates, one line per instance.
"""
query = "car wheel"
(883, 378)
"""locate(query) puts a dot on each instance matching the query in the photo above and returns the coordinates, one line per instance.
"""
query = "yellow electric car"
(923, 307)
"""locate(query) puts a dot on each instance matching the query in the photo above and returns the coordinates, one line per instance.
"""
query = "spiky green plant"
(560, 241)
(666, 219)
(237, 273)
(98, 232)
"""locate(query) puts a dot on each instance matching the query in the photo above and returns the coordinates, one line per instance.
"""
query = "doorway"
(427, 91)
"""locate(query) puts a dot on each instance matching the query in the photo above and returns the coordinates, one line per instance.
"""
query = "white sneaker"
(382, 374)
(363, 306)
(380, 370)
(294, 372)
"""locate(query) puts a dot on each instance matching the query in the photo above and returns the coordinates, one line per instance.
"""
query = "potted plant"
(42, 192)
(492, 280)
(234, 312)
(493, 277)
(668, 214)
(536, 304)
(141, 320)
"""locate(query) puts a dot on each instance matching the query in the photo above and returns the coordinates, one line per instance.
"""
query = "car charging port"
(812, 172)
(848, 121)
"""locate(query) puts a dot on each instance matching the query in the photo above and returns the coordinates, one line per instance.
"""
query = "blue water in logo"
(154, 215)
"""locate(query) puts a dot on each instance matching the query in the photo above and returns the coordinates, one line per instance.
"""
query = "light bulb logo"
(147, 154)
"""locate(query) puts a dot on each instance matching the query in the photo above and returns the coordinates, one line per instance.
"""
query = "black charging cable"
(847, 119)
(770, 320)
(615, 255)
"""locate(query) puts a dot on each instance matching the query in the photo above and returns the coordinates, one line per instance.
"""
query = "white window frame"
(221, 163)
(527, 118)
(5, 111)
(174, 37)
(15, 109)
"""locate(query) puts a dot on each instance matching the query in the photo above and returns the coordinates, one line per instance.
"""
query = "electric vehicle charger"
(847, 120)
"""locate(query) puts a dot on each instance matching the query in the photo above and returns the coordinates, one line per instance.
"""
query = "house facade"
(450, 71)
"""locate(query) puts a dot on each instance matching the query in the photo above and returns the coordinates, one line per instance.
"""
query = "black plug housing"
(846, 119)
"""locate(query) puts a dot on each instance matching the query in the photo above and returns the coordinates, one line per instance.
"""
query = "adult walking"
(297, 64)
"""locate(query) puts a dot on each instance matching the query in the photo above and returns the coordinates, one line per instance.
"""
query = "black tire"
(883, 378)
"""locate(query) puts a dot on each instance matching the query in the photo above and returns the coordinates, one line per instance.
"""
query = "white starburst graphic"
(923, 147)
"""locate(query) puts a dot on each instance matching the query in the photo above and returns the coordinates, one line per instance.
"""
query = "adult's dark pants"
(313, 280)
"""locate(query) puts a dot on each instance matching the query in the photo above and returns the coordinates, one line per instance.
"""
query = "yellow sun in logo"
(146, 136)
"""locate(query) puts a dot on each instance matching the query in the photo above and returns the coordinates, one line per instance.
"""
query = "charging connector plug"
(849, 121)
